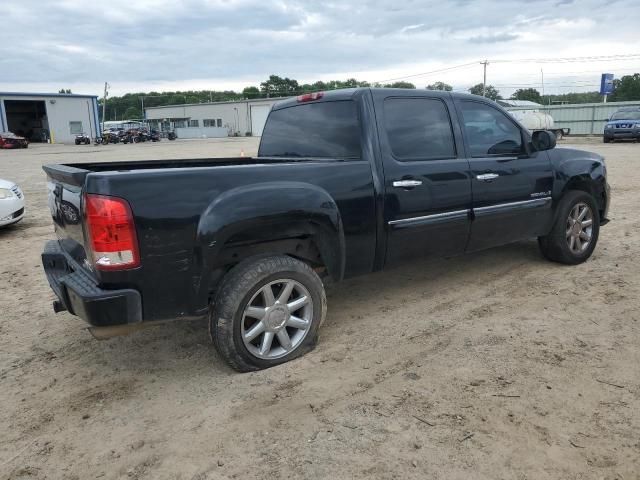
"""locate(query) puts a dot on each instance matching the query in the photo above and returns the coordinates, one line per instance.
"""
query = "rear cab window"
(313, 130)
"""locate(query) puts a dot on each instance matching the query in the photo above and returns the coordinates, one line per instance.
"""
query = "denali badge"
(541, 194)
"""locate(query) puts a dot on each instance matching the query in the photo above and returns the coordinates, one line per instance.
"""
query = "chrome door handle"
(486, 177)
(407, 183)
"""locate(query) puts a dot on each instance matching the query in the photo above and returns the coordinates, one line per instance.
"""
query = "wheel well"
(304, 248)
(587, 185)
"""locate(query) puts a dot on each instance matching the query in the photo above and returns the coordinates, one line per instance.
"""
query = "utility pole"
(142, 102)
(104, 103)
(484, 77)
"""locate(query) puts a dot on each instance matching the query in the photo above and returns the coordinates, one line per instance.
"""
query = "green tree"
(277, 86)
(490, 92)
(62, 90)
(530, 94)
(627, 88)
(400, 85)
(572, 97)
(251, 92)
(132, 113)
(440, 86)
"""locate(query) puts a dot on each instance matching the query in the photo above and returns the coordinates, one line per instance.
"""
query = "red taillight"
(111, 232)
(309, 97)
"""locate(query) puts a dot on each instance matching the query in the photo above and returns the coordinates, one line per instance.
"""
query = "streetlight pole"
(484, 77)
(142, 102)
(104, 103)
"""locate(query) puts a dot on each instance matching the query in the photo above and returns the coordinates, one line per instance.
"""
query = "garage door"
(259, 115)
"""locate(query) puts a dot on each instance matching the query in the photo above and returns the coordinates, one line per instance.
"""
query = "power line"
(569, 74)
(428, 73)
(594, 58)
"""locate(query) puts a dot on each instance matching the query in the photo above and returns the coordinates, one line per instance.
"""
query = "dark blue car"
(623, 125)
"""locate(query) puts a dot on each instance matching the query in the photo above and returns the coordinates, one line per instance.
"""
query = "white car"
(11, 203)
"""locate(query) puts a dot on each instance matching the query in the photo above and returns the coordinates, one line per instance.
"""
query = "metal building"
(44, 117)
(581, 118)
(216, 119)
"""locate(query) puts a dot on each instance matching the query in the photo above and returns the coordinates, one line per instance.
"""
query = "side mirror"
(543, 140)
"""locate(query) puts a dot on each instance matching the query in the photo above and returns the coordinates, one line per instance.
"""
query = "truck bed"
(75, 173)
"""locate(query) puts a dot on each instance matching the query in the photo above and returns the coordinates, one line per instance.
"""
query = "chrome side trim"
(430, 219)
(523, 205)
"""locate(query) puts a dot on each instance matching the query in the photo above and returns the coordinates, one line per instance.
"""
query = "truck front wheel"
(267, 312)
(575, 231)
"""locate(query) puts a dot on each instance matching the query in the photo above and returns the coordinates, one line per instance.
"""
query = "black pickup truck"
(345, 183)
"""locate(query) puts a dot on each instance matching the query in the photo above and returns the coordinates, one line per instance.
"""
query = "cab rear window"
(316, 130)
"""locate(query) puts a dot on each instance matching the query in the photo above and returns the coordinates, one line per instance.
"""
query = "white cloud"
(220, 44)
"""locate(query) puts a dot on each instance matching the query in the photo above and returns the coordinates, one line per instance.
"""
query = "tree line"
(130, 105)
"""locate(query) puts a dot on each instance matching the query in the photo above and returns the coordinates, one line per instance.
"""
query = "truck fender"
(586, 174)
(273, 211)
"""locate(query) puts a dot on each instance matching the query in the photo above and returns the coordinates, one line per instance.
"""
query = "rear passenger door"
(511, 183)
(427, 188)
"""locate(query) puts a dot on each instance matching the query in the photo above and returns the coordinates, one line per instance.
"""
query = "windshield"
(622, 115)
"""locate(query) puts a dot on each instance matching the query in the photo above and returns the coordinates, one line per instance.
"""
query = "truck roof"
(349, 93)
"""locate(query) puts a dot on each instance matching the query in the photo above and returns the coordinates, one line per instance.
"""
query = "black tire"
(606, 139)
(555, 246)
(239, 286)
(77, 142)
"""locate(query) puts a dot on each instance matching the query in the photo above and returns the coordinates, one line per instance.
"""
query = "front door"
(427, 184)
(511, 183)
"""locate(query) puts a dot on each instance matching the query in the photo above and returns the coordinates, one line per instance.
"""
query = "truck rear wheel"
(267, 312)
(575, 231)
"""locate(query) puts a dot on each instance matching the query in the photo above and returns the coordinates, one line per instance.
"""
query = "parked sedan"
(11, 140)
(11, 203)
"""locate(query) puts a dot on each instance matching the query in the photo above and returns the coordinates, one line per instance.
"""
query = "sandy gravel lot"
(497, 365)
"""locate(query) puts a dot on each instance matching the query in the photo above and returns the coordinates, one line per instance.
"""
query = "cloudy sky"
(140, 45)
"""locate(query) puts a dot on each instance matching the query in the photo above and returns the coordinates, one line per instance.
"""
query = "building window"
(194, 123)
(178, 124)
(75, 128)
(212, 122)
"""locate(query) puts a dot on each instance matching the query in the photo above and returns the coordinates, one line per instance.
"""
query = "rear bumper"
(78, 292)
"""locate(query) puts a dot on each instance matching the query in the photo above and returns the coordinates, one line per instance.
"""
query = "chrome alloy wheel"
(579, 228)
(277, 319)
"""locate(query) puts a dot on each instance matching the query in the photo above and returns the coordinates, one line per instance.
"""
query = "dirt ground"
(496, 365)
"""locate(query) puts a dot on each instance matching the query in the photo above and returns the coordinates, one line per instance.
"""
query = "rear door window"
(317, 130)
(418, 129)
